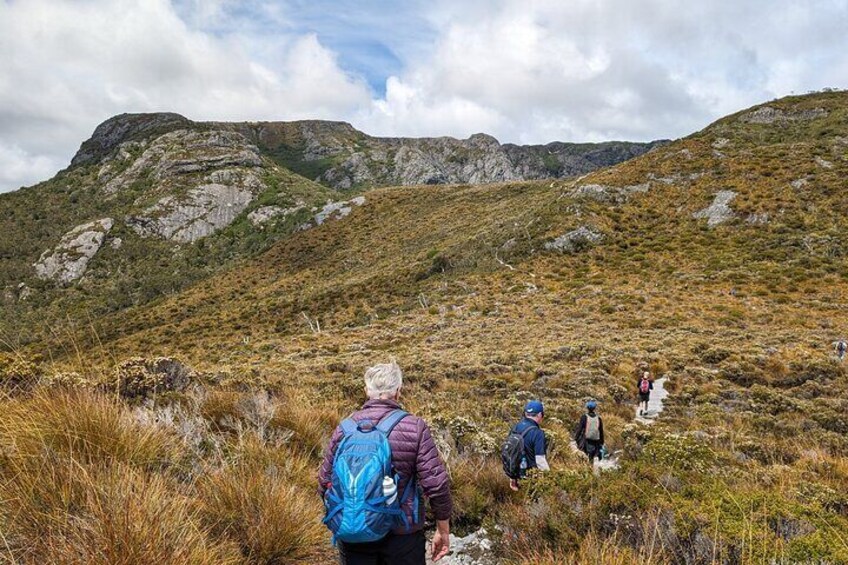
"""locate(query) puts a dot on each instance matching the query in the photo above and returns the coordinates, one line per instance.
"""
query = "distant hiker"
(841, 348)
(376, 467)
(526, 446)
(645, 386)
(589, 433)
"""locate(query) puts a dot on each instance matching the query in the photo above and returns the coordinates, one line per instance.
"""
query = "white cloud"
(527, 72)
(611, 69)
(66, 65)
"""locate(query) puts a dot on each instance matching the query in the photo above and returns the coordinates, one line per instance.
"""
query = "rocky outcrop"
(200, 213)
(719, 211)
(609, 194)
(480, 159)
(337, 155)
(576, 240)
(770, 115)
(171, 158)
(265, 214)
(334, 211)
(68, 261)
(207, 179)
(122, 129)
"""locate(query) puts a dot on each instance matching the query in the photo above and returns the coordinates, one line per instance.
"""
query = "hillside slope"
(155, 202)
(716, 261)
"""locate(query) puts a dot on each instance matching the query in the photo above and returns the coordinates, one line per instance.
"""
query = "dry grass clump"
(270, 519)
(83, 482)
(310, 422)
(128, 517)
(85, 479)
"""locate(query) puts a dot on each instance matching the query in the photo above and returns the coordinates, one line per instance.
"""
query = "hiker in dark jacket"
(414, 454)
(644, 386)
(589, 433)
(841, 348)
(535, 442)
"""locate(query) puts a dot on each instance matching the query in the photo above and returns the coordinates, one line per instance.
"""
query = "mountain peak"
(123, 127)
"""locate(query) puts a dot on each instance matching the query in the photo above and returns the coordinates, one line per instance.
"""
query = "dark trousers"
(592, 448)
(393, 549)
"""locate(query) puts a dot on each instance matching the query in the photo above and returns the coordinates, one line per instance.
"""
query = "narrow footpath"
(655, 408)
(476, 548)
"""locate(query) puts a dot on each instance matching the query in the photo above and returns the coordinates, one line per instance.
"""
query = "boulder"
(610, 194)
(719, 211)
(263, 214)
(576, 240)
(69, 260)
(334, 211)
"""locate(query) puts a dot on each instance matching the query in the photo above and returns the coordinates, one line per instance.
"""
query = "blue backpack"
(357, 509)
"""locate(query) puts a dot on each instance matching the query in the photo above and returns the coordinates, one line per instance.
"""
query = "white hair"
(383, 380)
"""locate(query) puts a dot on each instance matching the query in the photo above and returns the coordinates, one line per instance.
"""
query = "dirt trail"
(656, 404)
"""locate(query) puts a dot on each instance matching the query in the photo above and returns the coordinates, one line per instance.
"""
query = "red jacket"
(413, 454)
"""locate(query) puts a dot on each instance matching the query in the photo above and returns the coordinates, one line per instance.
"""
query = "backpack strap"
(523, 433)
(348, 426)
(388, 423)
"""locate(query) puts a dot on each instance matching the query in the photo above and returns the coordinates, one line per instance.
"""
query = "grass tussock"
(85, 478)
(270, 519)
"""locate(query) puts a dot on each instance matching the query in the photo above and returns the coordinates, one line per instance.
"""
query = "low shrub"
(139, 378)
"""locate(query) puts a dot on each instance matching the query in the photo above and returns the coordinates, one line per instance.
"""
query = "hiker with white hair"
(378, 464)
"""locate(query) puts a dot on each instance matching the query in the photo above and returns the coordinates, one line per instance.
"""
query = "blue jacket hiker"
(535, 442)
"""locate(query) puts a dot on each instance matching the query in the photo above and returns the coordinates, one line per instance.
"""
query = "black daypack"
(512, 451)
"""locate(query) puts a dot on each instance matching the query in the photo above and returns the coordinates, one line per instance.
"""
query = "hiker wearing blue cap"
(589, 433)
(526, 446)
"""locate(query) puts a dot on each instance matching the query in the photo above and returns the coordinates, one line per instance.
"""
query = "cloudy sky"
(526, 71)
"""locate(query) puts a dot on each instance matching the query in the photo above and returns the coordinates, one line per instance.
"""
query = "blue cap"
(534, 407)
(591, 405)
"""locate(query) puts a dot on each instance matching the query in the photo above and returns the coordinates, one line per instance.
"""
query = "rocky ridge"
(337, 155)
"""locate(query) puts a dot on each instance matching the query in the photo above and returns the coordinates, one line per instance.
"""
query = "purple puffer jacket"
(413, 453)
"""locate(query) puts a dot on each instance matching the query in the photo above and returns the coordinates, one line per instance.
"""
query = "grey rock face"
(576, 240)
(180, 153)
(769, 115)
(338, 155)
(123, 128)
(337, 210)
(611, 194)
(333, 211)
(719, 211)
(68, 261)
(263, 214)
(202, 212)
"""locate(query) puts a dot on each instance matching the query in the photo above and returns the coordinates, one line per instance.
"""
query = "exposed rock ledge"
(333, 211)
(575, 240)
(203, 211)
(264, 214)
(719, 211)
(769, 115)
(68, 261)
